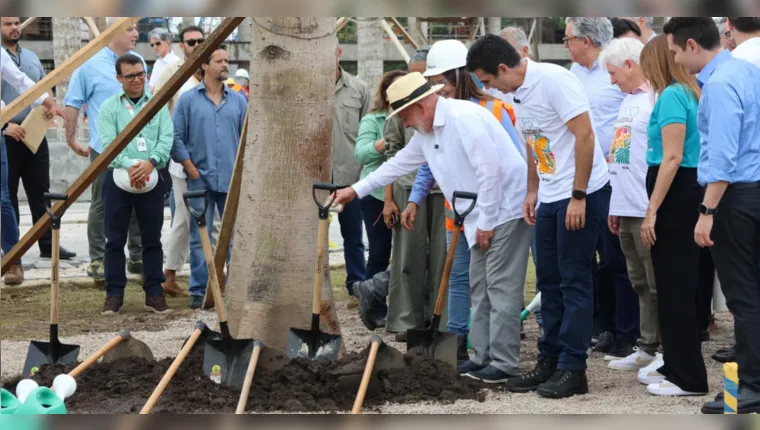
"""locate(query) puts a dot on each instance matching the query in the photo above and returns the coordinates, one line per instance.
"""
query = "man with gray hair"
(616, 305)
(516, 37)
(645, 24)
(726, 36)
(161, 42)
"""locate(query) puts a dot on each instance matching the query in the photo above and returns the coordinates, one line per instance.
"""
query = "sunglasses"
(132, 77)
(193, 42)
(155, 44)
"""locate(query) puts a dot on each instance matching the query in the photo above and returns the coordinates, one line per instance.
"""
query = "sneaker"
(63, 253)
(96, 270)
(353, 302)
(544, 370)
(667, 388)
(489, 375)
(135, 267)
(634, 361)
(564, 383)
(620, 351)
(157, 305)
(462, 353)
(14, 276)
(605, 342)
(196, 302)
(469, 366)
(649, 374)
(112, 305)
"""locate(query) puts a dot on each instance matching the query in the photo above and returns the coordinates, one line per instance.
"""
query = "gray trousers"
(417, 263)
(641, 273)
(497, 280)
(96, 229)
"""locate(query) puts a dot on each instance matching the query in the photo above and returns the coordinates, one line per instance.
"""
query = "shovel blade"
(313, 344)
(272, 359)
(439, 345)
(206, 335)
(41, 353)
(389, 358)
(127, 349)
(225, 361)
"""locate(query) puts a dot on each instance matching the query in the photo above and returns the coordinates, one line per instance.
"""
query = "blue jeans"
(198, 269)
(564, 276)
(350, 220)
(380, 237)
(9, 225)
(459, 288)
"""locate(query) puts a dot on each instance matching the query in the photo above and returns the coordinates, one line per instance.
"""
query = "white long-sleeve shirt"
(468, 150)
(16, 78)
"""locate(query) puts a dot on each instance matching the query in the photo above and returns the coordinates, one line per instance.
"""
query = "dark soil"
(301, 386)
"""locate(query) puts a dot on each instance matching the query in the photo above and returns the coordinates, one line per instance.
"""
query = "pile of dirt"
(301, 386)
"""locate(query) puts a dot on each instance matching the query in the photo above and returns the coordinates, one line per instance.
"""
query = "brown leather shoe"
(157, 305)
(14, 276)
(171, 289)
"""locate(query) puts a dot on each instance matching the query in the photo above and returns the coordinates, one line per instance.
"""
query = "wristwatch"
(154, 162)
(704, 210)
(579, 194)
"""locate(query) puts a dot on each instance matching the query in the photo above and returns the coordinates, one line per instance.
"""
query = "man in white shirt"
(468, 150)
(161, 42)
(746, 34)
(553, 115)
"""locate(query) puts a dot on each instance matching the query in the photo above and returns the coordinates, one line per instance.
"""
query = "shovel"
(442, 345)
(271, 359)
(314, 344)
(225, 359)
(53, 352)
(381, 357)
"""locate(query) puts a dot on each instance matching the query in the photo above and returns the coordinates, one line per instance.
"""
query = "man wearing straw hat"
(467, 149)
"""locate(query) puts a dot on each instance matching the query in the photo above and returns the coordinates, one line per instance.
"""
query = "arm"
(725, 114)
(423, 183)
(406, 161)
(179, 152)
(585, 142)
(17, 79)
(165, 140)
(74, 100)
(366, 151)
(108, 131)
(673, 136)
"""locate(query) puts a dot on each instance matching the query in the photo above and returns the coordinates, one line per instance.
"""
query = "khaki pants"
(641, 273)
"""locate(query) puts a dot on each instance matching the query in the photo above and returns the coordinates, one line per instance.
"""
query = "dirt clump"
(301, 386)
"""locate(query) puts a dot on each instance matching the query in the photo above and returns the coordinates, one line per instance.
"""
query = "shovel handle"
(359, 401)
(216, 290)
(200, 218)
(459, 217)
(55, 220)
(322, 231)
(124, 334)
(170, 373)
(248, 378)
(324, 211)
(54, 279)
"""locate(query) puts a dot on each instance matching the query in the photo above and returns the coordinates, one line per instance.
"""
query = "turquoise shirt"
(370, 131)
(158, 133)
(676, 105)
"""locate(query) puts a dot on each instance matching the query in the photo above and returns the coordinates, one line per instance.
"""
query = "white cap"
(445, 55)
(241, 73)
(121, 179)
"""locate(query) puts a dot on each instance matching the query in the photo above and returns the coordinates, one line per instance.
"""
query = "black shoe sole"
(724, 359)
(555, 395)
(62, 257)
(521, 390)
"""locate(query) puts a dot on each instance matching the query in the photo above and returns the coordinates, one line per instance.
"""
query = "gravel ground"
(611, 392)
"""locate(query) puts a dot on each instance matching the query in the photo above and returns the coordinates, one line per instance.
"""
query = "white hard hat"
(241, 73)
(445, 55)
(121, 179)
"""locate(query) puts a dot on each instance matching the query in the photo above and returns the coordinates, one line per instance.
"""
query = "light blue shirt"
(209, 134)
(604, 99)
(93, 83)
(729, 121)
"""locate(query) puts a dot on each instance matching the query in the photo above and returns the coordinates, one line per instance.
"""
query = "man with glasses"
(161, 42)
(726, 37)
(91, 84)
(131, 185)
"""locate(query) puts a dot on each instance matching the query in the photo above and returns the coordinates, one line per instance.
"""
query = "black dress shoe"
(725, 355)
(65, 254)
(745, 406)
(605, 342)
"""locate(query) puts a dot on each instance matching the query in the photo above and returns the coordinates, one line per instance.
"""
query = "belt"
(745, 185)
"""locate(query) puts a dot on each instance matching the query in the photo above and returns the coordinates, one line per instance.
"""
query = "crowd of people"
(629, 179)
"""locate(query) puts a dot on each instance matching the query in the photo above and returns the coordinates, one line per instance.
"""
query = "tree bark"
(289, 140)
(370, 51)
(66, 42)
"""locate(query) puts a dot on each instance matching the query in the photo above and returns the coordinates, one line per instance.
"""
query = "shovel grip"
(49, 197)
(324, 211)
(443, 288)
(200, 218)
(316, 304)
(459, 217)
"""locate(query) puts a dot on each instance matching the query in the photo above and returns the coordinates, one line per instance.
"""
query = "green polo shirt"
(158, 133)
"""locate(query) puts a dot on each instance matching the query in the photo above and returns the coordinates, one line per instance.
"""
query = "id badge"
(142, 146)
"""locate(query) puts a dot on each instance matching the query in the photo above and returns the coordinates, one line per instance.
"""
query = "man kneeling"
(132, 183)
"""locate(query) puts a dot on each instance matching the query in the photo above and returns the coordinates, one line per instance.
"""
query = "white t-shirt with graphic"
(550, 97)
(628, 156)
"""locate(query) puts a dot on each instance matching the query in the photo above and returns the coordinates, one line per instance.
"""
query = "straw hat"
(408, 90)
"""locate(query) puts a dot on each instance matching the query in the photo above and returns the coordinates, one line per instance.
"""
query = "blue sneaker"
(490, 375)
(468, 366)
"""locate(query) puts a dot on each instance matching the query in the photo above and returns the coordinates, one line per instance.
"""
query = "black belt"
(745, 185)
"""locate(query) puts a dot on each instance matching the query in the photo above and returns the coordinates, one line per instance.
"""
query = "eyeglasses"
(193, 42)
(133, 76)
(728, 35)
(155, 44)
(566, 39)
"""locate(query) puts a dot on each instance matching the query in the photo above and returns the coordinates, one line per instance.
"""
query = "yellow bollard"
(730, 388)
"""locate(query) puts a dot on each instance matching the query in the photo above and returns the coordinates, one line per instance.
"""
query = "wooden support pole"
(395, 40)
(162, 96)
(342, 22)
(65, 69)
(91, 23)
(26, 23)
(405, 33)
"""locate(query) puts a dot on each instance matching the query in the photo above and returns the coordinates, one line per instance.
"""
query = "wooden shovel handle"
(216, 290)
(170, 373)
(446, 272)
(366, 377)
(99, 353)
(54, 279)
(316, 306)
(248, 379)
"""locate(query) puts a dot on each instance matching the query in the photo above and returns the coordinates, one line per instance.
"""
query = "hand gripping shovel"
(313, 344)
(53, 352)
(225, 359)
(442, 345)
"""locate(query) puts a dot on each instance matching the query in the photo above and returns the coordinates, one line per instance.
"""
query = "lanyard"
(131, 111)
(18, 63)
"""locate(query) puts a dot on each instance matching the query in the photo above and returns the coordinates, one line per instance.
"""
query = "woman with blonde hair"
(668, 228)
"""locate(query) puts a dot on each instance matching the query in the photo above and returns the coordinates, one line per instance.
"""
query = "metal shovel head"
(226, 360)
(206, 335)
(389, 358)
(129, 348)
(439, 345)
(41, 353)
(313, 344)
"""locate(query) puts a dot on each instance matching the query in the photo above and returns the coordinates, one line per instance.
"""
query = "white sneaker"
(635, 361)
(667, 388)
(649, 374)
